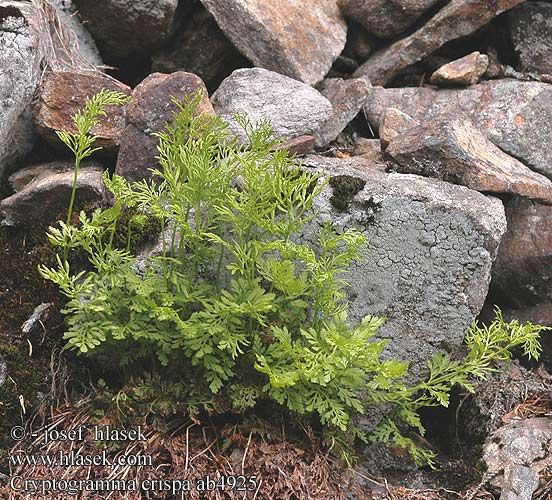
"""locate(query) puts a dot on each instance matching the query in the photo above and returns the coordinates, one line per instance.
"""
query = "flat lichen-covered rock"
(427, 266)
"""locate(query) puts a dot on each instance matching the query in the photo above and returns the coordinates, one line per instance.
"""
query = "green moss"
(344, 188)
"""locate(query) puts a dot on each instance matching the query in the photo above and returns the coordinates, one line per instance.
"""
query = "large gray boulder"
(293, 108)
(297, 39)
(19, 73)
(516, 116)
(427, 266)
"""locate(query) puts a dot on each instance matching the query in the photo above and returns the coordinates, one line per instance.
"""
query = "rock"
(128, 27)
(428, 262)
(385, 18)
(540, 314)
(522, 273)
(359, 42)
(46, 198)
(530, 26)
(62, 93)
(465, 71)
(149, 110)
(526, 443)
(283, 35)
(292, 107)
(86, 44)
(201, 48)
(347, 98)
(444, 27)
(393, 123)
(369, 149)
(21, 178)
(299, 146)
(516, 116)
(20, 60)
(35, 320)
(495, 399)
(519, 483)
(451, 148)
(3, 370)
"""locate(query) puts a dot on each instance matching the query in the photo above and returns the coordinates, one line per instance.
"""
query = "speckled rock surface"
(19, 73)
(522, 442)
(149, 110)
(531, 33)
(292, 38)
(516, 116)
(427, 266)
(292, 107)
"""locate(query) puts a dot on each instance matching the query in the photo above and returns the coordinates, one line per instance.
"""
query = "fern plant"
(233, 303)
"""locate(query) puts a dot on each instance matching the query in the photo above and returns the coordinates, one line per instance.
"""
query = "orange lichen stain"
(519, 120)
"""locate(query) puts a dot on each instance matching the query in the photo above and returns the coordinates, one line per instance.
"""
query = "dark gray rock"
(530, 27)
(295, 39)
(444, 27)
(47, 194)
(128, 27)
(385, 18)
(428, 262)
(522, 273)
(292, 107)
(347, 98)
(20, 70)
(516, 116)
(200, 47)
(449, 147)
